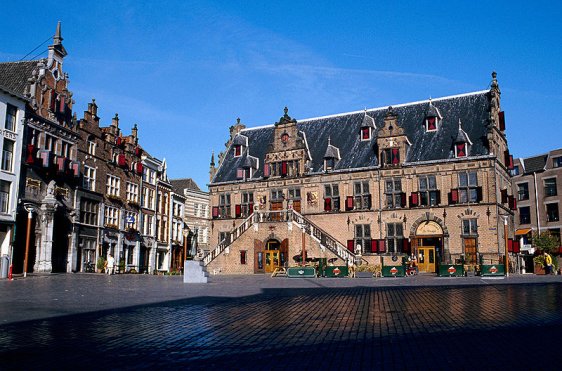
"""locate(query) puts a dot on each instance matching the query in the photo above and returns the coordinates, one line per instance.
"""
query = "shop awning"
(523, 231)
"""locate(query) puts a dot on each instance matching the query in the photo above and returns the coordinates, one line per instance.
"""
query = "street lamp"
(30, 209)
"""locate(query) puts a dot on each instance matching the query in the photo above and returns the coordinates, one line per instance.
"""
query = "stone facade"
(429, 178)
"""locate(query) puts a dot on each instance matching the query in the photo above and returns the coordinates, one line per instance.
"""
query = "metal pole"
(303, 247)
(506, 250)
(29, 218)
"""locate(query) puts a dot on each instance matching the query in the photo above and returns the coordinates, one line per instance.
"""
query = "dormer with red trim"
(367, 127)
(462, 143)
(433, 118)
(239, 145)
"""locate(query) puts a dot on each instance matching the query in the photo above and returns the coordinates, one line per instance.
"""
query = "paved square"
(87, 321)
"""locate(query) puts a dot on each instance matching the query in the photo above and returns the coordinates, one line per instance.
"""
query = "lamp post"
(505, 242)
(30, 209)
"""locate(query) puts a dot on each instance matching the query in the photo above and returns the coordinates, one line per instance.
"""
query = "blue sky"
(185, 70)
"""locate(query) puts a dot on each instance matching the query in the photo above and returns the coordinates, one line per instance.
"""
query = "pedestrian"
(547, 263)
(351, 268)
(110, 264)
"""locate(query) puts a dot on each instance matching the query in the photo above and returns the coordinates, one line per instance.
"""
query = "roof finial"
(494, 83)
(213, 158)
(286, 110)
(238, 120)
(58, 38)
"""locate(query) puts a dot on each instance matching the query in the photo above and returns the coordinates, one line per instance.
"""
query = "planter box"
(301, 272)
(539, 269)
(451, 270)
(336, 271)
(393, 271)
(492, 270)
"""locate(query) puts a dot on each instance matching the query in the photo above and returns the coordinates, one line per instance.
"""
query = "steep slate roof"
(14, 75)
(534, 164)
(343, 129)
(186, 183)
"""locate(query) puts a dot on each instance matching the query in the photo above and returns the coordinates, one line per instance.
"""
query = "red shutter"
(516, 246)
(403, 199)
(75, 168)
(239, 173)
(502, 120)
(365, 133)
(284, 168)
(506, 158)
(53, 103)
(215, 212)
(121, 160)
(461, 150)
(327, 204)
(510, 245)
(454, 196)
(138, 151)
(61, 164)
(431, 123)
(139, 168)
(395, 156)
(266, 170)
(349, 203)
(438, 197)
(382, 246)
(30, 159)
(350, 245)
(237, 150)
(414, 199)
(406, 246)
(374, 246)
(238, 210)
(510, 162)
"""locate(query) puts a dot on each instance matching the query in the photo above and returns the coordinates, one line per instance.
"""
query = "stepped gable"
(344, 130)
(14, 75)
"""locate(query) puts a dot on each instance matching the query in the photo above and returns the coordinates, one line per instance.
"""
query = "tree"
(546, 241)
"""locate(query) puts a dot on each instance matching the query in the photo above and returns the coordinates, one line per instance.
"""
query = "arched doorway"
(428, 244)
(274, 254)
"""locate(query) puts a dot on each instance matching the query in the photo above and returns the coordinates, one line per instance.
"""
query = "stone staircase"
(195, 272)
(292, 218)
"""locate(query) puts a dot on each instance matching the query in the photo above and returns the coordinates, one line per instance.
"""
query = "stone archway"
(430, 230)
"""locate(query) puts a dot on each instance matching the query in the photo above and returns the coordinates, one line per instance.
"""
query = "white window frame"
(89, 179)
(113, 185)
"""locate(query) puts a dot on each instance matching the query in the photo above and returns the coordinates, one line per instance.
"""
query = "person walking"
(547, 263)
(110, 264)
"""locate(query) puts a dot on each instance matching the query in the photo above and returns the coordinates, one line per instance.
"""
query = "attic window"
(329, 164)
(460, 150)
(243, 173)
(391, 157)
(365, 133)
(431, 123)
(237, 150)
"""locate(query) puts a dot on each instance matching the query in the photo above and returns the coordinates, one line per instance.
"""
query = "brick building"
(537, 182)
(430, 178)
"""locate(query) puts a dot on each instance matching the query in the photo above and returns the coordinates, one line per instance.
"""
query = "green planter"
(336, 271)
(451, 270)
(301, 272)
(393, 271)
(492, 270)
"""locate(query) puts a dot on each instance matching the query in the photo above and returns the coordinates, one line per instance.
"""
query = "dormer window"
(432, 118)
(329, 164)
(431, 124)
(390, 157)
(365, 133)
(237, 150)
(331, 157)
(460, 150)
(462, 143)
(367, 127)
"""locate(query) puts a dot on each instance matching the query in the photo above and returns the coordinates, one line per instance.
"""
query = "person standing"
(547, 263)
(110, 264)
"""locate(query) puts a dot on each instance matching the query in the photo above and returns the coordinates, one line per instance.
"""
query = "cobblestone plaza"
(88, 321)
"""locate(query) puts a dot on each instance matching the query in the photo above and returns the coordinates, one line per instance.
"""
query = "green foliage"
(100, 264)
(545, 241)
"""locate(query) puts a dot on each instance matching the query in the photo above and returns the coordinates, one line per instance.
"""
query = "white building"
(12, 112)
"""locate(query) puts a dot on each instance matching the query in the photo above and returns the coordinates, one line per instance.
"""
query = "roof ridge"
(374, 109)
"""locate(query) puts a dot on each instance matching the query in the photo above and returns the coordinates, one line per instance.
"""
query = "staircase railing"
(290, 216)
(230, 238)
(319, 234)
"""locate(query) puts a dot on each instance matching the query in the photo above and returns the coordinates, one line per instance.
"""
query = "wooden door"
(470, 251)
(259, 259)
(276, 206)
(426, 259)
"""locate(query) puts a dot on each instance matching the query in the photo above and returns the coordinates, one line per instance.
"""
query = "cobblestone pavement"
(90, 321)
